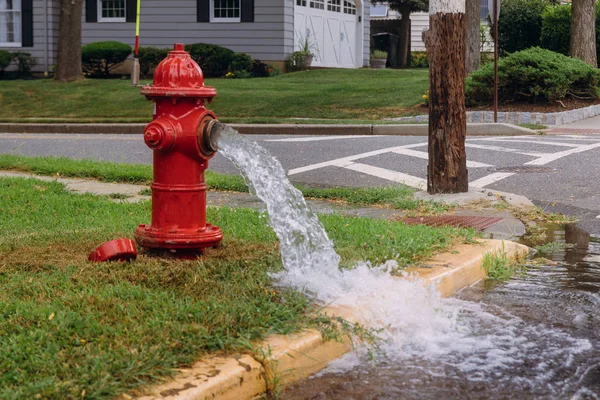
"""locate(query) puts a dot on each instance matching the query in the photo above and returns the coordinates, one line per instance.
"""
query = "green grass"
(499, 267)
(336, 94)
(397, 196)
(69, 326)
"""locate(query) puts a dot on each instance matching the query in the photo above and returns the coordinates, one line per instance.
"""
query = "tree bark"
(404, 45)
(445, 43)
(473, 35)
(68, 66)
(583, 31)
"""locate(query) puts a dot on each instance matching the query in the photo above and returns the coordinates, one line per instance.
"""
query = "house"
(386, 21)
(337, 31)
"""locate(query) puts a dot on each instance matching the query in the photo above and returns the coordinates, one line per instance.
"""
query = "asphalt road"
(559, 172)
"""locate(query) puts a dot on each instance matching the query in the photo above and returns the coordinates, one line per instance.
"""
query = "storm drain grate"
(479, 223)
(523, 169)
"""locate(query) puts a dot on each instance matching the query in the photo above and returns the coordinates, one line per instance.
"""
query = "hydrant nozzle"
(209, 132)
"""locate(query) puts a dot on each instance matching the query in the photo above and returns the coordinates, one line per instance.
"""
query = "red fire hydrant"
(182, 143)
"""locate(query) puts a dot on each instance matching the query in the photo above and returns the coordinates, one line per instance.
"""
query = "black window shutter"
(247, 11)
(203, 10)
(91, 10)
(130, 10)
(27, 23)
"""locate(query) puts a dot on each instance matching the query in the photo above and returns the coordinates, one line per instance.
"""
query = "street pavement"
(558, 172)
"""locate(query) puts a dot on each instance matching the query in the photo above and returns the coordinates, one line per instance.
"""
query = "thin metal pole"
(496, 60)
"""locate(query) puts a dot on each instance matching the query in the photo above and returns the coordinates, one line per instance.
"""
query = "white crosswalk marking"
(425, 156)
(393, 176)
(505, 149)
(491, 178)
(316, 139)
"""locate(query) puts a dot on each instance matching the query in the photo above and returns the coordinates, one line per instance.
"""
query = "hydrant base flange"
(178, 239)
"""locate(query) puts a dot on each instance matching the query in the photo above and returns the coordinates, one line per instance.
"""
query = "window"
(111, 10)
(349, 8)
(301, 3)
(225, 11)
(10, 23)
(380, 11)
(334, 5)
(319, 4)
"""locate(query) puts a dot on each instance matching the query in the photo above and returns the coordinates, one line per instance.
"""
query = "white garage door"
(330, 26)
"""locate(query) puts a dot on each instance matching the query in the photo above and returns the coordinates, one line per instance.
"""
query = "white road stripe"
(555, 156)
(389, 175)
(317, 138)
(491, 178)
(425, 156)
(340, 162)
(505, 149)
(529, 141)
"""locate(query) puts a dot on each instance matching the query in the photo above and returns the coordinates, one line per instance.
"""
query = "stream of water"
(533, 337)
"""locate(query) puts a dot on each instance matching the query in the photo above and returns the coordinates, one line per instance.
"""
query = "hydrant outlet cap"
(178, 75)
(115, 250)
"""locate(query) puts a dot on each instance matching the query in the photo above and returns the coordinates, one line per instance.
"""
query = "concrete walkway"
(510, 228)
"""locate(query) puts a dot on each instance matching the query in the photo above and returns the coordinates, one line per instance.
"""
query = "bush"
(556, 29)
(261, 70)
(150, 57)
(418, 59)
(5, 59)
(100, 58)
(25, 62)
(533, 75)
(520, 24)
(241, 62)
(214, 60)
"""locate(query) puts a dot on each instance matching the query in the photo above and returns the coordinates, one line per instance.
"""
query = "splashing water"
(416, 323)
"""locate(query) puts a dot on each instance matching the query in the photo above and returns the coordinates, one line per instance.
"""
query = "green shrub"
(556, 29)
(241, 62)
(99, 58)
(533, 75)
(25, 62)
(520, 24)
(261, 70)
(150, 57)
(5, 59)
(418, 59)
(214, 60)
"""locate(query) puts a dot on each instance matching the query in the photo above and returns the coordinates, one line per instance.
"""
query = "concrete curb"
(295, 357)
(538, 118)
(473, 129)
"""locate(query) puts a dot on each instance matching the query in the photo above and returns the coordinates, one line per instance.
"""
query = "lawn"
(334, 95)
(396, 196)
(71, 329)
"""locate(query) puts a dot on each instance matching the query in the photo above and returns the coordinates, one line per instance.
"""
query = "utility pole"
(445, 43)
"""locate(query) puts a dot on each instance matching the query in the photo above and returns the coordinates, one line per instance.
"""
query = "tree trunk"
(583, 31)
(445, 43)
(68, 66)
(473, 35)
(404, 46)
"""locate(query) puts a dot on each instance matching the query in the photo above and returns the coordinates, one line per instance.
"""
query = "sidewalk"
(507, 228)
(586, 126)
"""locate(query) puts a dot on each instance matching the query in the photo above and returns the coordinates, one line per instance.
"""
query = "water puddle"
(534, 336)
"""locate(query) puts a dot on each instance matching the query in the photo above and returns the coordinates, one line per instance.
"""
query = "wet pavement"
(542, 329)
